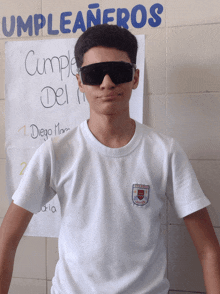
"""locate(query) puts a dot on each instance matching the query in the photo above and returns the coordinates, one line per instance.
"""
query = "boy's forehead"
(104, 54)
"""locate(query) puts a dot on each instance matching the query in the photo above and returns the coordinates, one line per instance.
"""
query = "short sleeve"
(36, 186)
(183, 189)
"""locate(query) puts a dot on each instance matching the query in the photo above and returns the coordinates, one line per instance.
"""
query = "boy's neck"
(112, 131)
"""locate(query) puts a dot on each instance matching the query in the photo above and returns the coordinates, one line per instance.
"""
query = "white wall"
(182, 99)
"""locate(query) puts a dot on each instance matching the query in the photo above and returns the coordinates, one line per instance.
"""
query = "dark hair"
(111, 36)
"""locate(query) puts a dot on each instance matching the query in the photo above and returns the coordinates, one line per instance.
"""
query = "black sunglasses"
(119, 72)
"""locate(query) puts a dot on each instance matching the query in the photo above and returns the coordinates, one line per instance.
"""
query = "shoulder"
(156, 140)
(69, 138)
(161, 146)
(68, 144)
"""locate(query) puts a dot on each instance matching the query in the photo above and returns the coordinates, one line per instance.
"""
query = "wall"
(182, 99)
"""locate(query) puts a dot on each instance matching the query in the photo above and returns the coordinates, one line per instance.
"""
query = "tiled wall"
(182, 99)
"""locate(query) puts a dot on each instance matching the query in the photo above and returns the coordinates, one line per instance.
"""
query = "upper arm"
(14, 225)
(202, 233)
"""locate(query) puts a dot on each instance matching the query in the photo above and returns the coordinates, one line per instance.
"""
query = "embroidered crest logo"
(140, 194)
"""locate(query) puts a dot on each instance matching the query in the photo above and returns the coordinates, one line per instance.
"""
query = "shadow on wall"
(193, 114)
(146, 99)
(184, 270)
(193, 79)
(192, 118)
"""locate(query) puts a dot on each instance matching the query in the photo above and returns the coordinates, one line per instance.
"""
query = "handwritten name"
(37, 132)
(48, 207)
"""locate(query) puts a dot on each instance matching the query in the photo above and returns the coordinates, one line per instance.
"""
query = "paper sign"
(43, 101)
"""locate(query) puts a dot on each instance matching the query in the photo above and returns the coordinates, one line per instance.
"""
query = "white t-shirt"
(111, 198)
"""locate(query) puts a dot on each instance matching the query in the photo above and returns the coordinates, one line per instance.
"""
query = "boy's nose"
(107, 82)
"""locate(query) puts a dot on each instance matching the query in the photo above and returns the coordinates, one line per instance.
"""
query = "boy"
(112, 176)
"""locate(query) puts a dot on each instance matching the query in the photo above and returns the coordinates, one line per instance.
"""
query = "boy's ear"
(80, 84)
(136, 79)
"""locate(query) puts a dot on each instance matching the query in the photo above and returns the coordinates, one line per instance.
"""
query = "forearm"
(6, 269)
(12, 229)
(211, 272)
(201, 230)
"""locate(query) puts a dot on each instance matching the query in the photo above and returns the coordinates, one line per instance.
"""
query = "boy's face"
(107, 98)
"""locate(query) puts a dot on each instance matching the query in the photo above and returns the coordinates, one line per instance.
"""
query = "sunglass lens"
(91, 75)
(119, 72)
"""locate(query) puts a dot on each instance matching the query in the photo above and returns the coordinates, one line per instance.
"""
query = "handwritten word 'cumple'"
(138, 17)
(64, 64)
